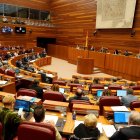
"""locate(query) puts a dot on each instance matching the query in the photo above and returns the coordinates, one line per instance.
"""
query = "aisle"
(66, 70)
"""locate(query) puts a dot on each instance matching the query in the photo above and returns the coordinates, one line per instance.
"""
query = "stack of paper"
(109, 130)
(119, 108)
(51, 118)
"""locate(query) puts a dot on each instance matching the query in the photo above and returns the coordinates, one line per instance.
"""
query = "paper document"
(109, 130)
(77, 123)
(99, 126)
(50, 75)
(3, 82)
(51, 118)
(119, 108)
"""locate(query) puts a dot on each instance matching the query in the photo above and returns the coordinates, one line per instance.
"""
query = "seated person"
(106, 92)
(19, 64)
(37, 88)
(132, 131)
(9, 119)
(29, 68)
(126, 100)
(78, 96)
(55, 87)
(116, 52)
(39, 116)
(88, 129)
(8, 56)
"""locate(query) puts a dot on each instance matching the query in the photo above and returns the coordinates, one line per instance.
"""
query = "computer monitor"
(62, 90)
(17, 71)
(121, 117)
(121, 92)
(22, 104)
(99, 93)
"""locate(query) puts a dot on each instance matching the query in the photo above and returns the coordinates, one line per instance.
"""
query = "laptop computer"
(121, 93)
(62, 90)
(22, 104)
(121, 119)
(99, 93)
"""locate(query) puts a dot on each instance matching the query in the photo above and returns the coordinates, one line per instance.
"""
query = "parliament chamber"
(34, 32)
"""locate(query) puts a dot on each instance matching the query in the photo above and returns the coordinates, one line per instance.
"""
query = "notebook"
(22, 104)
(121, 93)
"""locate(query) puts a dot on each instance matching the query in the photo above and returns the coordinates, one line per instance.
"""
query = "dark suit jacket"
(78, 98)
(39, 91)
(132, 132)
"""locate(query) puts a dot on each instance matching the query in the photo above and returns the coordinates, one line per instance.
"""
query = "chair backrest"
(63, 83)
(72, 85)
(2, 70)
(78, 102)
(53, 95)
(134, 104)
(0, 131)
(108, 101)
(135, 87)
(115, 87)
(36, 131)
(26, 92)
(10, 73)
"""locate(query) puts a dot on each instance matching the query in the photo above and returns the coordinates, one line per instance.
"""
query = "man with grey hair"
(130, 132)
(126, 100)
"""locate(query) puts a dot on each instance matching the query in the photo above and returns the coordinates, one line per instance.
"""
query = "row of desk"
(123, 65)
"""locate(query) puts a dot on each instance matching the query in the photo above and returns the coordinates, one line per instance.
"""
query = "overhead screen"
(115, 14)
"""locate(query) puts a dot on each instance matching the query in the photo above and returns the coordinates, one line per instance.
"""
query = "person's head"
(90, 120)
(76, 81)
(106, 92)
(129, 91)
(36, 82)
(39, 113)
(55, 87)
(79, 92)
(134, 118)
(8, 101)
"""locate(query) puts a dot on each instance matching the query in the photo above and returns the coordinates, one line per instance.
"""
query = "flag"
(86, 45)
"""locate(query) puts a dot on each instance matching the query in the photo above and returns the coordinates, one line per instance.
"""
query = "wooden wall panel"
(35, 4)
(36, 31)
(73, 18)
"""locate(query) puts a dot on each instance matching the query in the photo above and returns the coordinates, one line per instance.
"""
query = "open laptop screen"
(22, 104)
(99, 93)
(62, 90)
(121, 92)
(121, 117)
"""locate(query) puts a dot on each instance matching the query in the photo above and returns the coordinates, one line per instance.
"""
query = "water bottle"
(74, 115)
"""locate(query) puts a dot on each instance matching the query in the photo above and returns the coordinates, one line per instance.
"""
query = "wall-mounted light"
(133, 32)
(95, 32)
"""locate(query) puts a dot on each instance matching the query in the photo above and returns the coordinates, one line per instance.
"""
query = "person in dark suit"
(87, 129)
(126, 100)
(130, 132)
(79, 96)
(37, 88)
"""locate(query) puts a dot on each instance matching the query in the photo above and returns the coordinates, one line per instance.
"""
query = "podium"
(85, 65)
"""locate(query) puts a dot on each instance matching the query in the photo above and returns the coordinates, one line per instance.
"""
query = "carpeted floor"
(66, 70)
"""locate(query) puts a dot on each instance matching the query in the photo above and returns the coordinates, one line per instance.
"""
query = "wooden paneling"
(35, 4)
(32, 32)
(73, 18)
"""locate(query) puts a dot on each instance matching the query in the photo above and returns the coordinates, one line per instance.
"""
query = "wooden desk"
(55, 105)
(86, 109)
(8, 87)
(137, 109)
